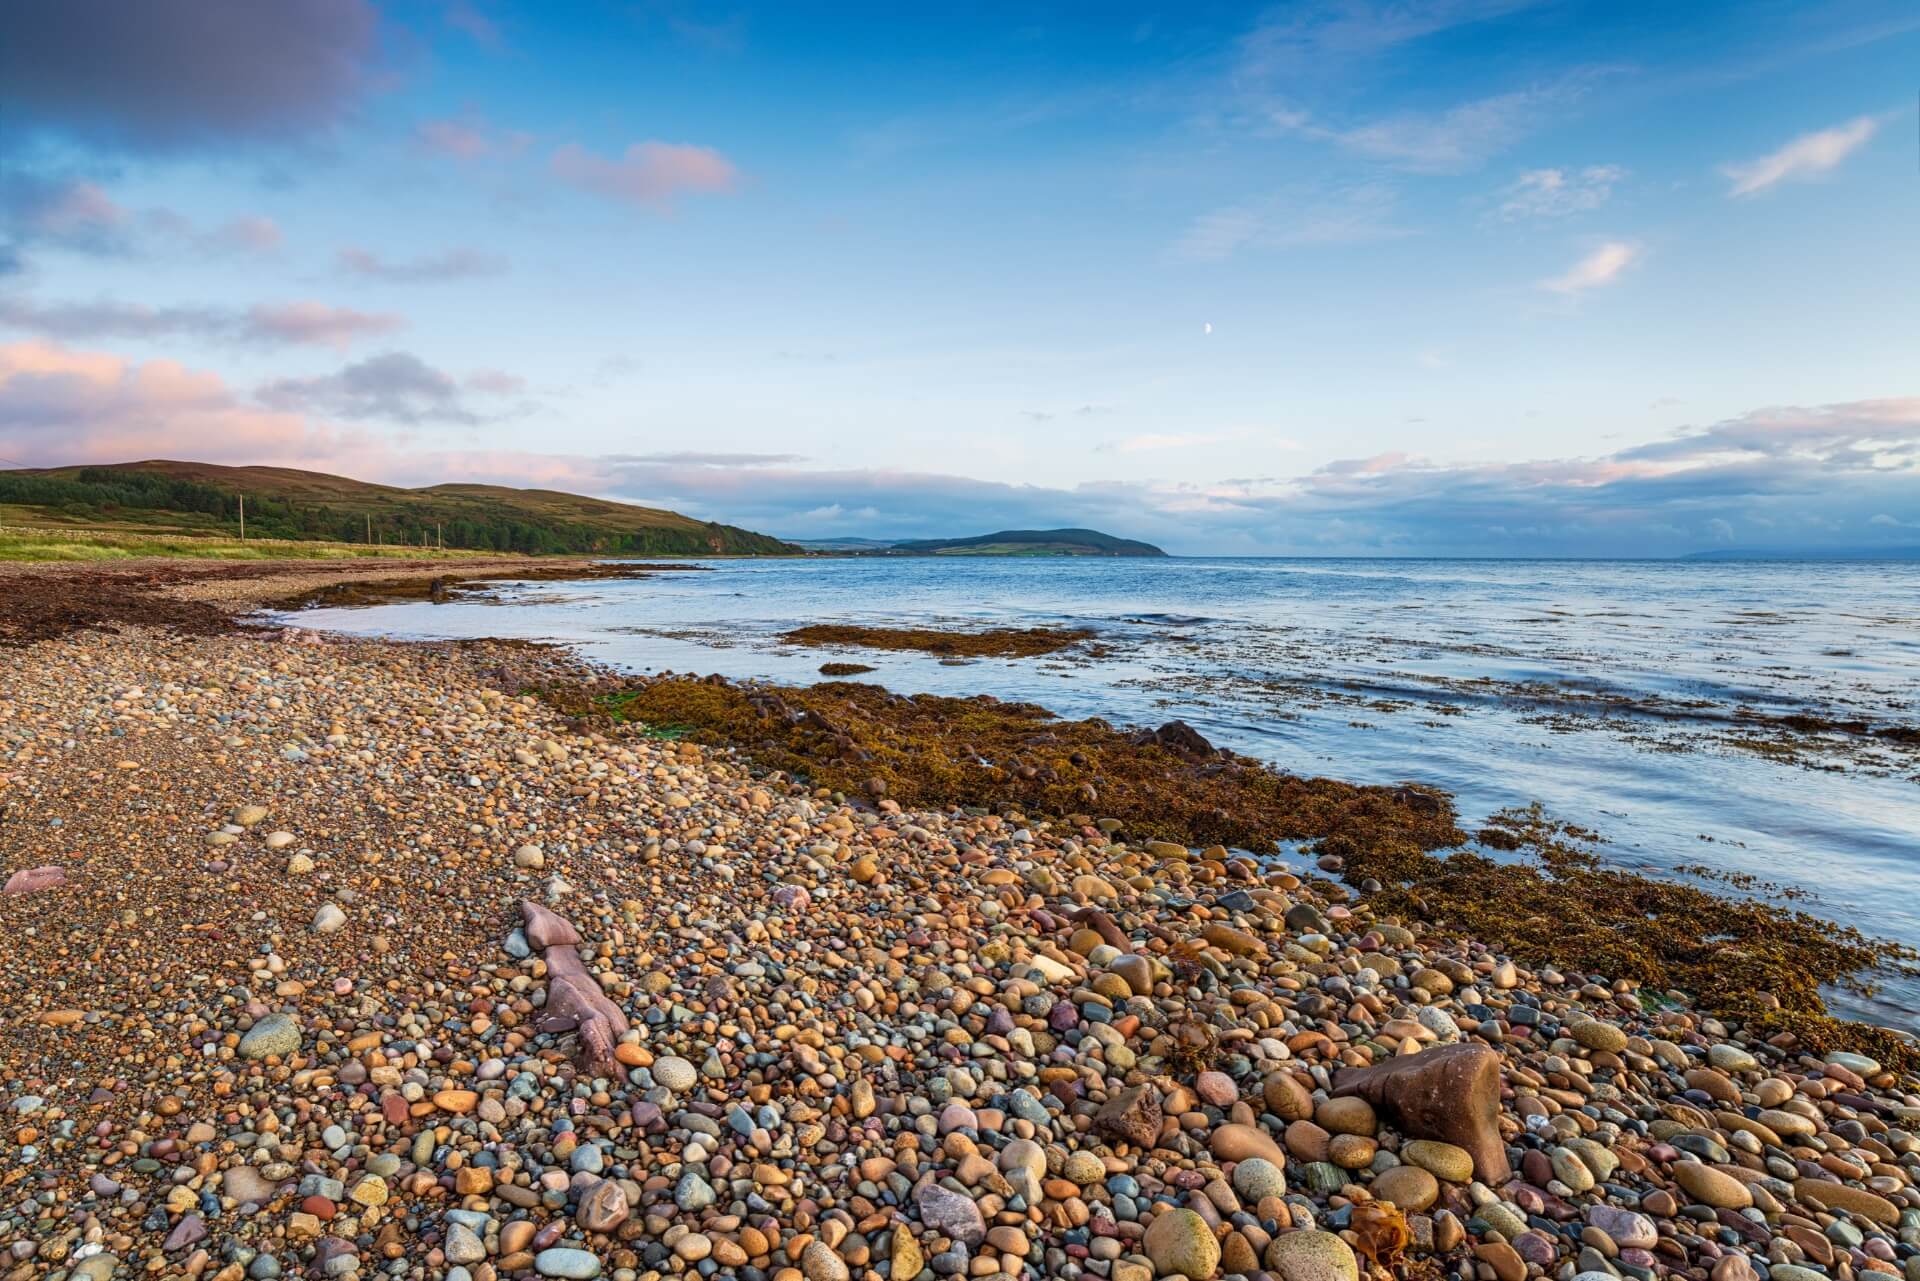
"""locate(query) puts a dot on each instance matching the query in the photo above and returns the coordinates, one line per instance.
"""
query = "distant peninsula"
(1812, 553)
(1006, 542)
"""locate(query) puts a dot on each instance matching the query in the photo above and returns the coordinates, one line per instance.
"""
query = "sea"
(1757, 718)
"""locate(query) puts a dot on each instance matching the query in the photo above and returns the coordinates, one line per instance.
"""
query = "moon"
(1207, 328)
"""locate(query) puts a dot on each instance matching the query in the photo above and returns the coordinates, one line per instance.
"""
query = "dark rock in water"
(1418, 801)
(1449, 1092)
(1181, 737)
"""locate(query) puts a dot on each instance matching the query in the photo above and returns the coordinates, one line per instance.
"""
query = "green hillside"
(188, 498)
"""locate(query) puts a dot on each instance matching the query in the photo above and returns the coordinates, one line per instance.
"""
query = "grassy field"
(25, 543)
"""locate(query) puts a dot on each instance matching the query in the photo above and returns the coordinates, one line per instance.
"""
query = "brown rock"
(1709, 1186)
(1103, 925)
(1347, 1115)
(1307, 1141)
(1287, 1096)
(1840, 1196)
(1234, 1142)
(1133, 1116)
(1448, 1092)
(1505, 1261)
(1407, 1186)
(1228, 939)
(603, 1208)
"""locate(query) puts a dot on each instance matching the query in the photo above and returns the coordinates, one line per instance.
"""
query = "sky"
(1486, 277)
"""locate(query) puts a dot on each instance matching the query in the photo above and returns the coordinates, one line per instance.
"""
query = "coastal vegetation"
(185, 498)
(44, 542)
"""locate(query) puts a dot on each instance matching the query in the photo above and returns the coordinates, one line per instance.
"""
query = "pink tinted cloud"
(647, 174)
(496, 382)
(254, 232)
(249, 233)
(470, 137)
(78, 207)
(462, 15)
(466, 141)
(59, 405)
(316, 324)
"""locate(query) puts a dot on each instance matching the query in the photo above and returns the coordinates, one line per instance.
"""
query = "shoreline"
(845, 1020)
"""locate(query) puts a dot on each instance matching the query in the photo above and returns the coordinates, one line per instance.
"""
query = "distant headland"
(1006, 542)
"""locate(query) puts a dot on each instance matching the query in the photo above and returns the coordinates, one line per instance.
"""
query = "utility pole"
(369, 529)
(243, 518)
(439, 536)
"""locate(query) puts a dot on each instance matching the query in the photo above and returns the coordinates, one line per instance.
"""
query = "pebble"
(275, 1034)
(1181, 1244)
(848, 1038)
(1312, 1255)
(576, 1265)
(675, 1073)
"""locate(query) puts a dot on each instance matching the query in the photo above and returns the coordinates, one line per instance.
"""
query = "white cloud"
(647, 174)
(1350, 215)
(1601, 267)
(1808, 156)
(1454, 141)
(1457, 140)
(1554, 193)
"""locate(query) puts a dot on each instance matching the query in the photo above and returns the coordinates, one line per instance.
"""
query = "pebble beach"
(342, 958)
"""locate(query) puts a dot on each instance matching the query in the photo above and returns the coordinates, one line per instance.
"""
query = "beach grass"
(19, 543)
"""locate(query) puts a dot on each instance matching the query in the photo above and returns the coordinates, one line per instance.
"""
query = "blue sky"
(1481, 276)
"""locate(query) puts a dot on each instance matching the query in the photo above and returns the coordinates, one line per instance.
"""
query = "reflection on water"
(1759, 718)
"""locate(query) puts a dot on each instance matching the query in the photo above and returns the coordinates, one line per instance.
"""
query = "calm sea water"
(1639, 699)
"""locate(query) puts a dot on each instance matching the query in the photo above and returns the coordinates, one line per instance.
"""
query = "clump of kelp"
(1002, 642)
(456, 585)
(1754, 961)
(1550, 902)
(932, 752)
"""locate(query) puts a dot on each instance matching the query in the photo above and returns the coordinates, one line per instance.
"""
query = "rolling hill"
(187, 497)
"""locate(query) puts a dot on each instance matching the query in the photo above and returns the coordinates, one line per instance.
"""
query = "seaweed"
(1550, 902)
(1559, 905)
(1003, 642)
(933, 752)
